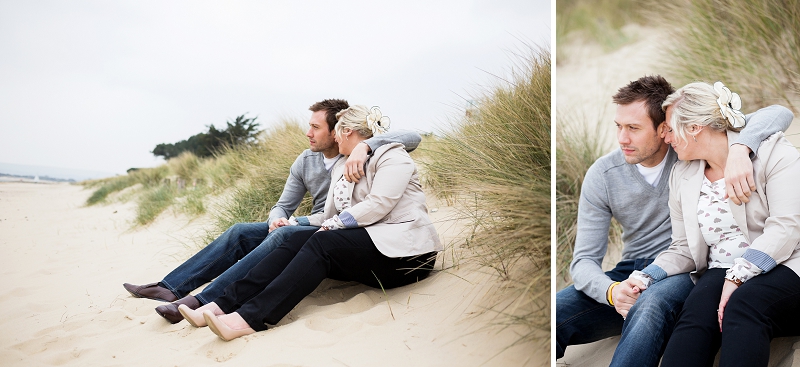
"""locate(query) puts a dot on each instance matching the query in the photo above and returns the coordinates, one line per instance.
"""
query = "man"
(631, 186)
(231, 256)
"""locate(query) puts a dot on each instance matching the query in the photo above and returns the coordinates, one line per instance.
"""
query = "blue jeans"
(228, 259)
(580, 319)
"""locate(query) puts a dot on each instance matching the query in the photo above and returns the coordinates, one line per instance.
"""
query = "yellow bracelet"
(608, 293)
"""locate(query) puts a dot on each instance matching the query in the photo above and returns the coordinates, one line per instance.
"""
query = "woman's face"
(347, 141)
(680, 146)
(686, 149)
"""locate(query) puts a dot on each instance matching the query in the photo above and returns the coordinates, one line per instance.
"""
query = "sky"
(95, 85)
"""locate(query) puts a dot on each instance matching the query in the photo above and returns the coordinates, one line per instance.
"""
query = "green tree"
(242, 130)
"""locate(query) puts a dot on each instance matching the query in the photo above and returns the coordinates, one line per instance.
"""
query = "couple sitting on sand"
(710, 244)
(369, 223)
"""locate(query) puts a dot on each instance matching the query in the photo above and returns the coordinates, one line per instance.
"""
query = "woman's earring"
(695, 138)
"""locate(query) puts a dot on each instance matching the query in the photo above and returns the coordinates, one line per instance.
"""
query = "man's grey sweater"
(308, 174)
(614, 188)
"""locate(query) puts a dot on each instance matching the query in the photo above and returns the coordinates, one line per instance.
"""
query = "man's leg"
(240, 269)
(650, 322)
(580, 319)
(238, 241)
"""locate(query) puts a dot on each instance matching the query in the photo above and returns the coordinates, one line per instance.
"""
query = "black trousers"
(761, 309)
(294, 269)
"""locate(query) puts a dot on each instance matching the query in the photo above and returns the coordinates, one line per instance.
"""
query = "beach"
(63, 301)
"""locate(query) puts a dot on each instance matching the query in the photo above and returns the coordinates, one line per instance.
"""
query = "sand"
(586, 80)
(63, 301)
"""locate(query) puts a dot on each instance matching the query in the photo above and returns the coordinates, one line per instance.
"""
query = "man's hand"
(739, 181)
(280, 222)
(625, 295)
(727, 290)
(354, 167)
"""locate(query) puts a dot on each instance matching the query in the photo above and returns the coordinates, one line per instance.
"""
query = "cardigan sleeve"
(293, 192)
(393, 172)
(762, 124)
(782, 228)
(591, 240)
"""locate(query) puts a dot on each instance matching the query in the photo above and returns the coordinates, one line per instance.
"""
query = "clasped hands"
(625, 295)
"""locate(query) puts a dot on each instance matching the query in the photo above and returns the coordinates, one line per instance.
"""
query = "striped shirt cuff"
(655, 272)
(303, 221)
(760, 259)
(348, 220)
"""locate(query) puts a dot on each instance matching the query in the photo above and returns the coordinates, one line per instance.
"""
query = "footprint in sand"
(219, 350)
(351, 314)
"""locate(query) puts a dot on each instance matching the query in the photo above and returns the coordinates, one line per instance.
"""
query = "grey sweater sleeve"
(409, 139)
(591, 241)
(762, 124)
(293, 192)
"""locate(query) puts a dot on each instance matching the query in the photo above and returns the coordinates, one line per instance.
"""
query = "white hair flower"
(377, 122)
(729, 105)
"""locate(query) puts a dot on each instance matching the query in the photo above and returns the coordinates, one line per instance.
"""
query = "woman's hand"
(727, 290)
(354, 166)
(739, 174)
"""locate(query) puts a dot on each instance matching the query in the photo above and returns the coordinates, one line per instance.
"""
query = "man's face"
(319, 137)
(639, 141)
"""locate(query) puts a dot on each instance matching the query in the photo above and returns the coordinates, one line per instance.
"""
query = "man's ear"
(662, 130)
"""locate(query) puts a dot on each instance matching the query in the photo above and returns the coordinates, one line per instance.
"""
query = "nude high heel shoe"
(222, 329)
(195, 318)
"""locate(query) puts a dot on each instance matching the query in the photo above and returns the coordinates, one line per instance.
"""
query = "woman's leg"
(696, 337)
(241, 291)
(347, 254)
(761, 309)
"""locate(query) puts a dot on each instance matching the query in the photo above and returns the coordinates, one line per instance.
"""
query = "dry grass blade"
(494, 164)
(751, 45)
(578, 144)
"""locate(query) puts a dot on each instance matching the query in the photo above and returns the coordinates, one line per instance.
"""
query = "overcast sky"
(95, 85)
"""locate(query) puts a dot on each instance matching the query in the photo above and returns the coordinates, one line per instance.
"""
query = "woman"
(744, 259)
(376, 232)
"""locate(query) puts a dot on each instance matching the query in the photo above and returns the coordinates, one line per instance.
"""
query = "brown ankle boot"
(170, 310)
(152, 291)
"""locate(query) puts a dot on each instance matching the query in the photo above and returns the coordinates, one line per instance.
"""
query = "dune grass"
(147, 177)
(578, 144)
(185, 166)
(260, 172)
(251, 177)
(153, 202)
(597, 21)
(495, 166)
(752, 46)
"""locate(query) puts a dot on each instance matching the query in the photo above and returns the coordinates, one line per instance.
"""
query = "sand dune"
(63, 301)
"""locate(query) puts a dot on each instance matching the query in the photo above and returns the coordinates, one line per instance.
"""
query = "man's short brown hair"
(653, 90)
(331, 108)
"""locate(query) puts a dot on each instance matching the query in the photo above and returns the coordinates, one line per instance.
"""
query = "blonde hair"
(696, 104)
(366, 122)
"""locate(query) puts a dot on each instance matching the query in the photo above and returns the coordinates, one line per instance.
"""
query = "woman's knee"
(742, 304)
